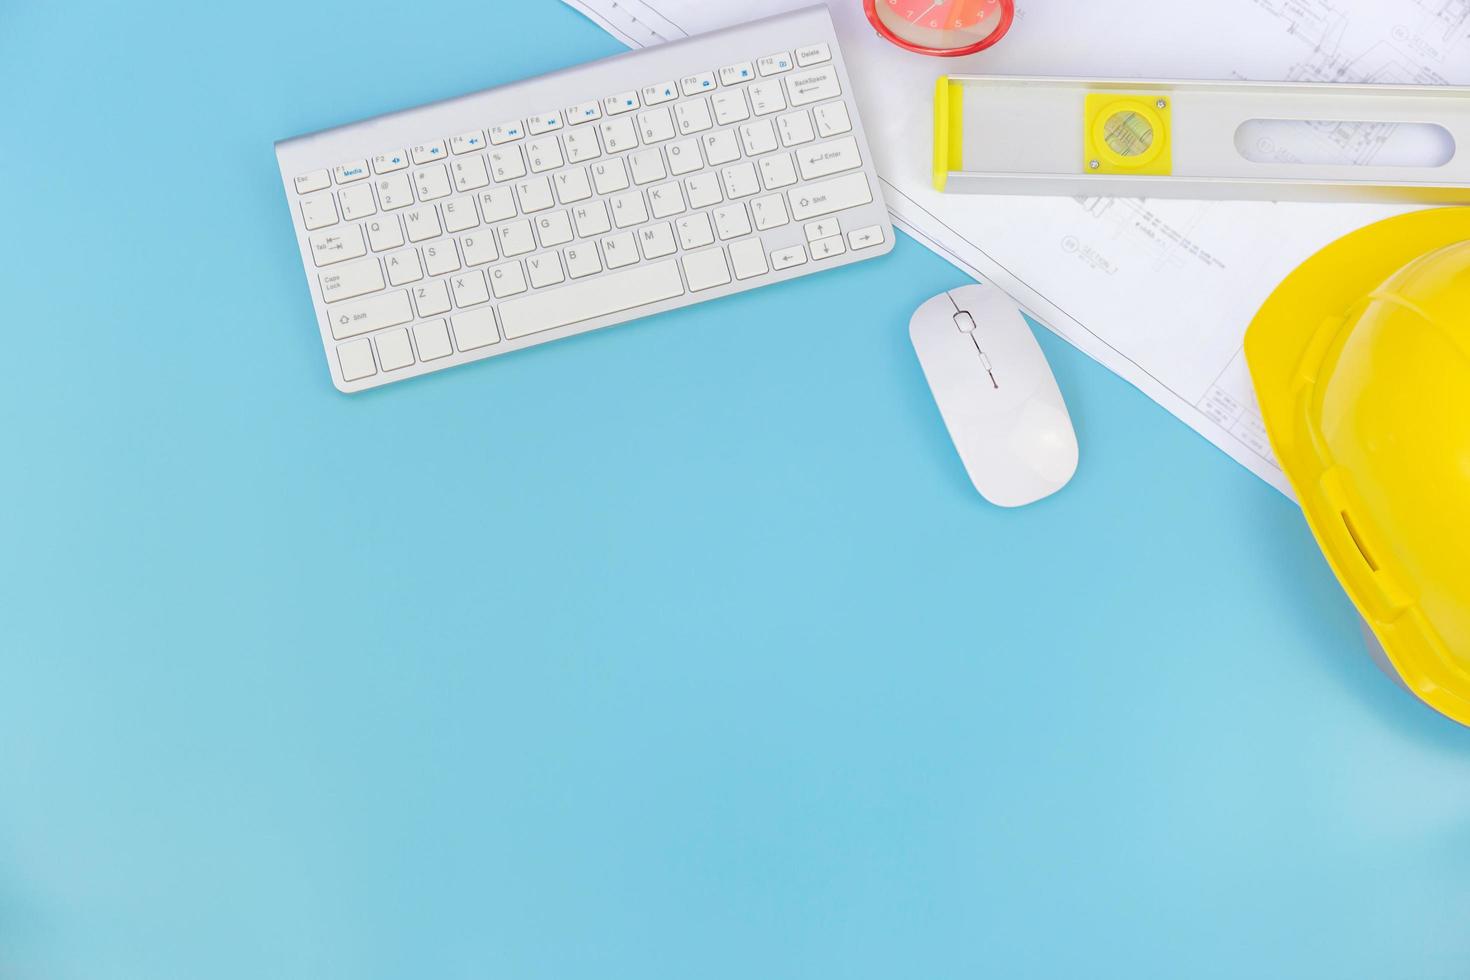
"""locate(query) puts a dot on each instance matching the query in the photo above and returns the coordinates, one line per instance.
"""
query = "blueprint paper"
(1158, 291)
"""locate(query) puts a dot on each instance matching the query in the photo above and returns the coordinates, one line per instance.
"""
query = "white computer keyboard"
(530, 212)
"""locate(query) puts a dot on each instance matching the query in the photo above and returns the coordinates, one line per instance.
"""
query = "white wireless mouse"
(996, 393)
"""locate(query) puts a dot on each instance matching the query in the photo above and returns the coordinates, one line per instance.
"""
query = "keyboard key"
(740, 180)
(825, 159)
(515, 238)
(720, 147)
(620, 250)
(825, 228)
(313, 181)
(431, 182)
(666, 200)
(767, 97)
(346, 173)
(353, 279)
(656, 126)
(507, 279)
(547, 122)
(428, 152)
(647, 166)
(695, 84)
(656, 241)
(440, 257)
(796, 128)
(459, 215)
(628, 209)
(356, 202)
(422, 223)
(703, 189)
(479, 248)
(706, 270)
(572, 186)
(769, 212)
(506, 132)
(468, 142)
(786, 258)
(829, 196)
(737, 73)
(868, 237)
(694, 231)
(545, 270)
(618, 134)
(394, 350)
(431, 297)
(581, 145)
(731, 221)
(684, 157)
(591, 298)
(554, 229)
(832, 119)
(475, 329)
(806, 87)
(622, 102)
(331, 247)
(749, 258)
(387, 163)
(366, 315)
(497, 204)
(507, 163)
(813, 54)
(591, 219)
(404, 267)
(469, 174)
(774, 64)
(730, 107)
(825, 248)
(758, 137)
(584, 112)
(432, 339)
(356, 359)
(318, 210)
(395, 191)
(778, 171)
(582, 260)
(544, 154)
(609, 176)
(384, 233)
(662, 92)
(693, 116)
(469, 288)
(534, 195)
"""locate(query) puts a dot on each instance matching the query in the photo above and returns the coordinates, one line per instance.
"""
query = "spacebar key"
(591, 298)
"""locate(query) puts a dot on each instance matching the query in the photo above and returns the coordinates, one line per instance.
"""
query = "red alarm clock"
(948, 29)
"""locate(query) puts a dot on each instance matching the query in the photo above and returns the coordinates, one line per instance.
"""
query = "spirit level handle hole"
(1338, 143)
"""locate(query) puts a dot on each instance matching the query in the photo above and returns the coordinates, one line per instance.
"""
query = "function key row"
(651, 95)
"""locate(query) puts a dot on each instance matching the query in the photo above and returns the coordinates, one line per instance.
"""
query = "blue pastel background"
(681, 649)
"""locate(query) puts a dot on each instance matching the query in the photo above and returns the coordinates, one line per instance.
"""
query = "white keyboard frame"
(555, 92)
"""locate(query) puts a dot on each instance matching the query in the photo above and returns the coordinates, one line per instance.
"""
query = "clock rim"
(1007, 16)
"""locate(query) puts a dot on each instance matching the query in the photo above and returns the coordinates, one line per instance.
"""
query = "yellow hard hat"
(1361, 363)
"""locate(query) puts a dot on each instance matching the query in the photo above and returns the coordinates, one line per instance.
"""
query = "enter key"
(831, 157)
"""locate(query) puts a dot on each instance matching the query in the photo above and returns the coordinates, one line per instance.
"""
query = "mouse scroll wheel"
(964, 321)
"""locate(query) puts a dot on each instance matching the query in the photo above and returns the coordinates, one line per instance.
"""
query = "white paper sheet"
(1158, 291)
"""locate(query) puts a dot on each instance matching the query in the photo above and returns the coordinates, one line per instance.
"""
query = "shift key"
(351, 319)
(828, 196)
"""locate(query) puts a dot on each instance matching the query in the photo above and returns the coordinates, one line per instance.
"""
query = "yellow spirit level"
(1299, 141)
